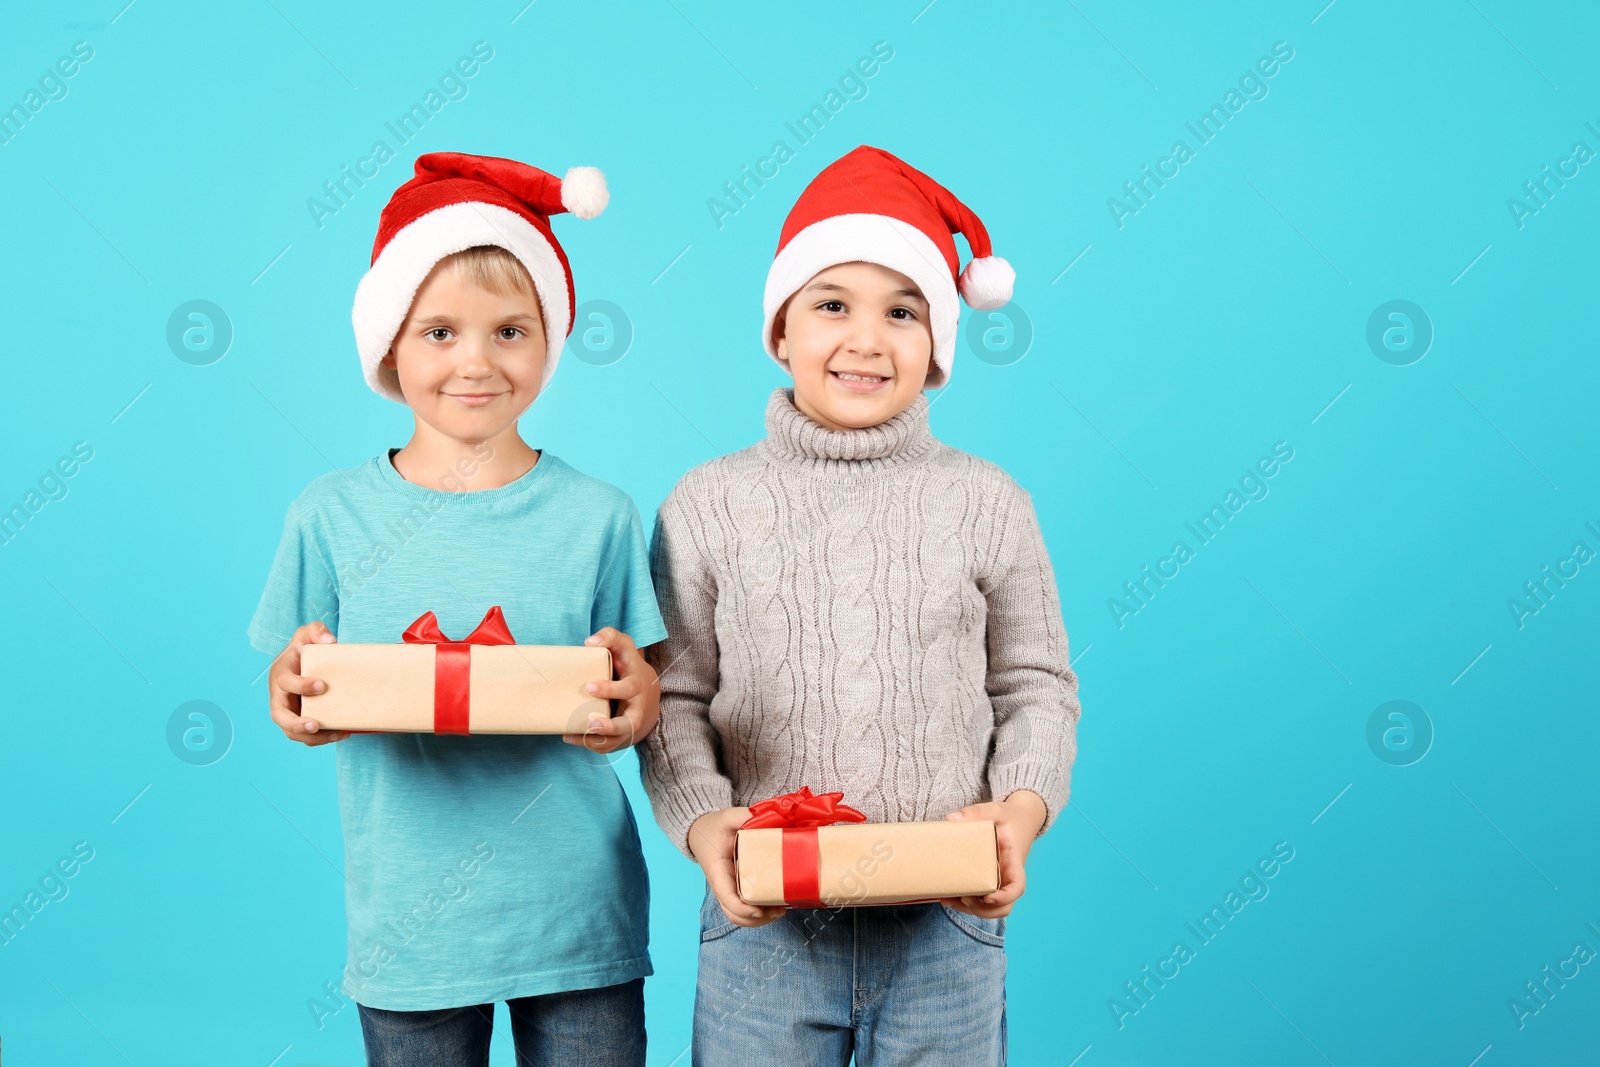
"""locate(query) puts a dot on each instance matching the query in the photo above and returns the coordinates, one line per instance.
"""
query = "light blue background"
(1230, 313)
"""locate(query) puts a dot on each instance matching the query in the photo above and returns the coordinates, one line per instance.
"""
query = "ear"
(388, 359)
(782, 344)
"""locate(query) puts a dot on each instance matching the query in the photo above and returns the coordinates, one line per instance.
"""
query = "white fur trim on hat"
(584, 192)
(986, 283)
(384, 296)
(864, 238)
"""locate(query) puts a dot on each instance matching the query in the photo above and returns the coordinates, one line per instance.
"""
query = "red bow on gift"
(801, 809)
(799, 814)
(452, 672)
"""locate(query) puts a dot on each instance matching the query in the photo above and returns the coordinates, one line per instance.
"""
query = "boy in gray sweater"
(854, 605)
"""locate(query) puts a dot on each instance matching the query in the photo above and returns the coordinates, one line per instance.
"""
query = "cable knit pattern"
(865, 610)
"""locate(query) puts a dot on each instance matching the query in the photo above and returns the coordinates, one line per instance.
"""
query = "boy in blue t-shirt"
(483, 868)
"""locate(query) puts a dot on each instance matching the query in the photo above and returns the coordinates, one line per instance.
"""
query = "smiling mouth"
(859, 383)
(474, 399)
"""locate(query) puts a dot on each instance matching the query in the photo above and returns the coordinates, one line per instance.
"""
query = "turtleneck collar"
(793, 438)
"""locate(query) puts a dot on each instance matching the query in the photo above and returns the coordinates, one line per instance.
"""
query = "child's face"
(470, 361)
(856, 339)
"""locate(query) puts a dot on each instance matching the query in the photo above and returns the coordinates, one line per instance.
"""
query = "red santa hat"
(874, 208)
(455, 202)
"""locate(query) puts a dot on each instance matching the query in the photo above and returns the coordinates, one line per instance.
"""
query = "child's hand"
(711, 839)
(1016, 824)
(636, 688)
(285, 686)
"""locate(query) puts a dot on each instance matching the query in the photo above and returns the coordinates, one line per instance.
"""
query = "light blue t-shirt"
(477, 868)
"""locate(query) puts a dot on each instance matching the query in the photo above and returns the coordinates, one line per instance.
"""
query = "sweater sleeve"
(680, 761)
(1030, 680)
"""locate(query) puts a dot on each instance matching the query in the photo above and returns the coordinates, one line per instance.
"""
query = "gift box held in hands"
(485, 683)
(809, 850)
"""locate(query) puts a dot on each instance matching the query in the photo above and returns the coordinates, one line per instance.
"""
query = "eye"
(832, 306)
(511, 333)
(903, 314)
(438, 333)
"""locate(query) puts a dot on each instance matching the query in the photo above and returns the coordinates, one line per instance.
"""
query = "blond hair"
(493, 268)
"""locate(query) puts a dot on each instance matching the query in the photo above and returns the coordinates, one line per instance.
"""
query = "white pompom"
(986, 283)
(584, 193)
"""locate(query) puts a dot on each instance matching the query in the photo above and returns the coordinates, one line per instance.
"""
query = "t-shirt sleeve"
(300, 589)
(624, 596)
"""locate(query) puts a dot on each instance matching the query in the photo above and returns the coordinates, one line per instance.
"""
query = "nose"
(472, 358)
(867, 336)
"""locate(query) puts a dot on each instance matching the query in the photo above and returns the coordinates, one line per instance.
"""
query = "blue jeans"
(582, 1028)
(889, 984)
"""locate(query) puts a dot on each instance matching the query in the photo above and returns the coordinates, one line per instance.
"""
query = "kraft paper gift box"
(482, 684)
(791, 852)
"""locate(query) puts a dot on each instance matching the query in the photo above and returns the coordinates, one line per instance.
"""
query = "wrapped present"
(485, 683)
(810, 850)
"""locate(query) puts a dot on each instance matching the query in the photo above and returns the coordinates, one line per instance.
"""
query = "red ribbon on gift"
(452, 665)
(799, 814)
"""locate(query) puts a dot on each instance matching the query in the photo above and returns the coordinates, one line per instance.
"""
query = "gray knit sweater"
(867, 610)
